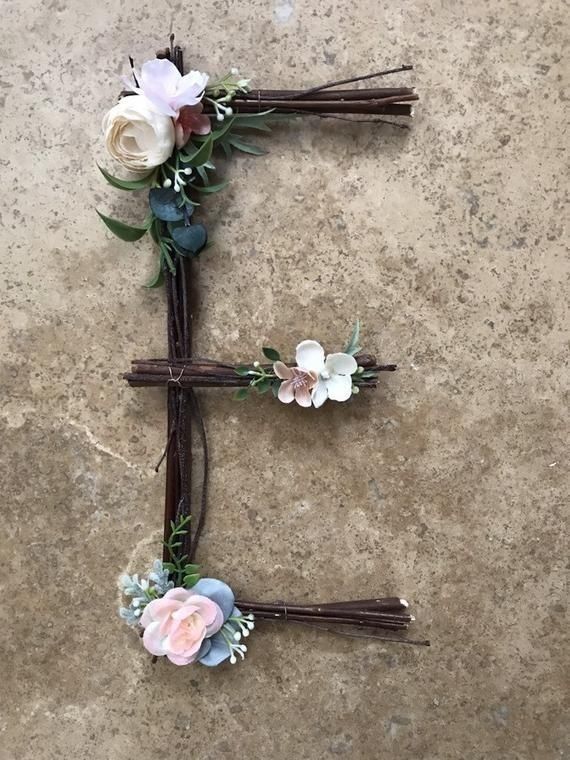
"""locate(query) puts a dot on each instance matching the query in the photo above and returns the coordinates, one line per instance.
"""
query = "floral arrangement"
(183, 616)
(164, 131)
(314, 378)
(158, 131)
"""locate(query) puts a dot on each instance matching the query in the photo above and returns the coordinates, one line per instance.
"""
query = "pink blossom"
(166, 89)
(297, 384)
(176, 624)
(191, 120)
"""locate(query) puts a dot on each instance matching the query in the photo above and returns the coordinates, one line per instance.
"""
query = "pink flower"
(176, 624)
(297, 384)
(165, 87)
(191, 119)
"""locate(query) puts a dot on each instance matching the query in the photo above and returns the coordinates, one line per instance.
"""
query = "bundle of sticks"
(327, 100)
(388, 613)
(205, 373)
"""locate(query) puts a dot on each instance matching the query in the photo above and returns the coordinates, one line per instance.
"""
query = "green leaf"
(203, 174)
(191, 580)
(245, 147)
(188, 569)
(352, 347)
(212, 188)
(271, 354)
(219, 133)
(201, 155)
(122, 230)
(264, 385)
(158, 278)
(125, 184)
(242, 370)
(241, 394)
(169, 566)
(275, 385)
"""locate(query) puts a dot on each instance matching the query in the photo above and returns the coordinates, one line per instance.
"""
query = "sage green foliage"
(352, 346)
(169, 221)
(181, 572)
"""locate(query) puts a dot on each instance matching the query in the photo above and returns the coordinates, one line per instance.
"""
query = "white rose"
(136, 136)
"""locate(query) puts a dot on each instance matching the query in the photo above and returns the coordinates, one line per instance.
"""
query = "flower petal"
(209, 611)
(179, 593)
(158, 610)
(310, 356)
(320, 394)
(218, 591)
(178, 659)
(339, 387)
(160, 76)
(282, 371)
(189, 90)
(303, 396)
(286, 392)
(153, 640)
(341, 364)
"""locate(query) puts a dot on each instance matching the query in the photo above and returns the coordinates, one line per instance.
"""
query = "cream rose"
(136, 136)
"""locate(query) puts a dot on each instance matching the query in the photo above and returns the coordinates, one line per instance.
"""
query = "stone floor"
(447, 485)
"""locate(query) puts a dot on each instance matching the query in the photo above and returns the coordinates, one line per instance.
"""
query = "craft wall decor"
(165, 130)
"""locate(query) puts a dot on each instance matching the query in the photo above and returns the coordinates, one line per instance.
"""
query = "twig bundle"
(205, 373)
(327, 100)
(389, 613)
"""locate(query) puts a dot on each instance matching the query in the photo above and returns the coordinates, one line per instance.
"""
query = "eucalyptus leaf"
(241, 394)
(163, 202)
(125, 184)
(191, 238)
(272, 354)
(275, 385)
(243, 371)
(122, 230)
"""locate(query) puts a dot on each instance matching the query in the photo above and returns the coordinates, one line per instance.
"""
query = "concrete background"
(447, 485)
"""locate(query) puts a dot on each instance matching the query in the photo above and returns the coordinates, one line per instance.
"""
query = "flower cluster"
(196, 624)
(165, 108)
(313, 379)
(160, 132)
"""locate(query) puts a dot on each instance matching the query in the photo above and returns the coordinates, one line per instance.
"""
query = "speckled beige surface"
(447, 485)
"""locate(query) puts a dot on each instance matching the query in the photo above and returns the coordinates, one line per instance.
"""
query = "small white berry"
(167, 183)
